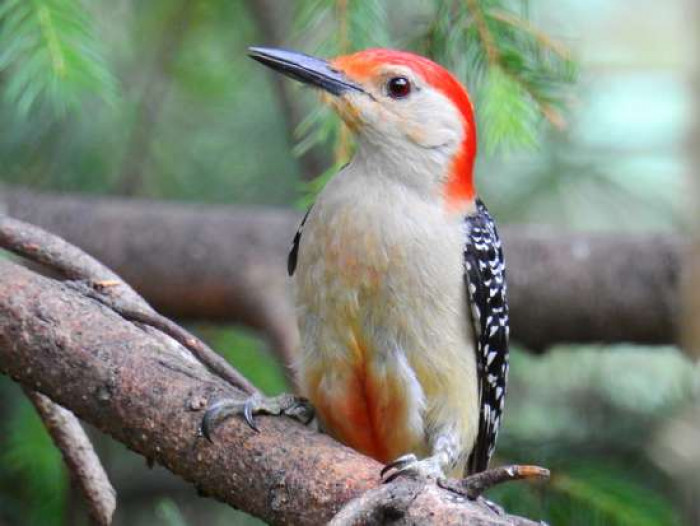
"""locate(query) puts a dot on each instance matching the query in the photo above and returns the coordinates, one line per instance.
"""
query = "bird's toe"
(409, 465)
(295, 407)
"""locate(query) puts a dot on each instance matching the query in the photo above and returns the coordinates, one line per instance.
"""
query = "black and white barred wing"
(485, 280)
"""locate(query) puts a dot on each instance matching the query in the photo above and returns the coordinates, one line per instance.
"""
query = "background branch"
(80, 457)
(228, 264)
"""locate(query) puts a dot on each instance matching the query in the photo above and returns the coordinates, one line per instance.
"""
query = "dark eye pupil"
(399, 87)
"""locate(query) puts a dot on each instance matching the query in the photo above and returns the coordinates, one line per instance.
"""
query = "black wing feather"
(485, 280)
(294, 250)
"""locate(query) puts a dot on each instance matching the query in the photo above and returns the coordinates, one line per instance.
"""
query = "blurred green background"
(584, 126)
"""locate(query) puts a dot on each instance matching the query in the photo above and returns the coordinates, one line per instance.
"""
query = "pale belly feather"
(387, 355)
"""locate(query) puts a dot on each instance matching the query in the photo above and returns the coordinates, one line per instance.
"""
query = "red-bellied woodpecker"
(398, 273)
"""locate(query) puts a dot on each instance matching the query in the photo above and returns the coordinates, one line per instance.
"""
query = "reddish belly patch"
(365, 411)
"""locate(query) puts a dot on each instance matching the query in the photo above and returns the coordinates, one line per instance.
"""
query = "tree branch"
(98, 282)
(79, 456)
(410, 503)
(145, 390)
(593, 288)
(228, 264)
(475, 485)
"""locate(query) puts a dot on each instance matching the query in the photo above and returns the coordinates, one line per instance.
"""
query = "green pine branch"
(49, 56)
(339, 27)
(519, 75)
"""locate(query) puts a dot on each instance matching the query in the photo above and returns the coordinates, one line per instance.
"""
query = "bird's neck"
(436, 174)
(459, 188)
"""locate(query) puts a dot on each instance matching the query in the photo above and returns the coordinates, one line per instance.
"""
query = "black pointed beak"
(304, 68)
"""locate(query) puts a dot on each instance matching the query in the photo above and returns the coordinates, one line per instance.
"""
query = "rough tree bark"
(145, 390)
(231, 267)
(228, 264)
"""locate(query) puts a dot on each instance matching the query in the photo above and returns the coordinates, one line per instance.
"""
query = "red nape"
(460, 186)
(362, 65)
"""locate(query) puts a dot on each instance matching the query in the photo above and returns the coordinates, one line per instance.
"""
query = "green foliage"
(603, 494)
(169, 513)
(36, 467)
(50, 55)
(518, 74)
(212, 112)
(568, 185)
(311, 189)
(507, 111)
(337, 27)
(333, 27)
(320, 127)
(591, 426)
(589, 493)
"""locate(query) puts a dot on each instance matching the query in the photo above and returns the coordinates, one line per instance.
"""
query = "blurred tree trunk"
(678, 448)
(223, 263)
(691, 322)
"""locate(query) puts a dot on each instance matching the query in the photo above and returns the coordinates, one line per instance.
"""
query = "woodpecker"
(398, 272)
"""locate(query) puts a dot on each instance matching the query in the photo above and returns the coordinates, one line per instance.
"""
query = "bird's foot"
(474, 485)
(409, 465)
(296, 407)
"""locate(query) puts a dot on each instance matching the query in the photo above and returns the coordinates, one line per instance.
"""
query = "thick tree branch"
(190, 262)
(475, 485)
(593, 288)
(98, 282)
(147, 391)
(228, 264)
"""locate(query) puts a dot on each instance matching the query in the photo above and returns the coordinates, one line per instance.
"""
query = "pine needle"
(50, 56)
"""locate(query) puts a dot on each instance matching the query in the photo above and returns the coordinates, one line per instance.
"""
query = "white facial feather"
(415, 137)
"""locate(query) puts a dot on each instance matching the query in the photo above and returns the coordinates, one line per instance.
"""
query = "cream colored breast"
(379, 257)
(381, 305)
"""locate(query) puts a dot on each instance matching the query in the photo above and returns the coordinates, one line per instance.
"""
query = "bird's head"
(409, 114)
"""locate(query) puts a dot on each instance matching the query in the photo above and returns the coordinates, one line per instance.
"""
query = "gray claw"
(498, 510)
(391, 477)
(204, 430)
(209, 421)
(295, 407)
(397, 464)
(248, 414)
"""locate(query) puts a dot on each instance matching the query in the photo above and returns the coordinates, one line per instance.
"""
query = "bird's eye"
(398, 87)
